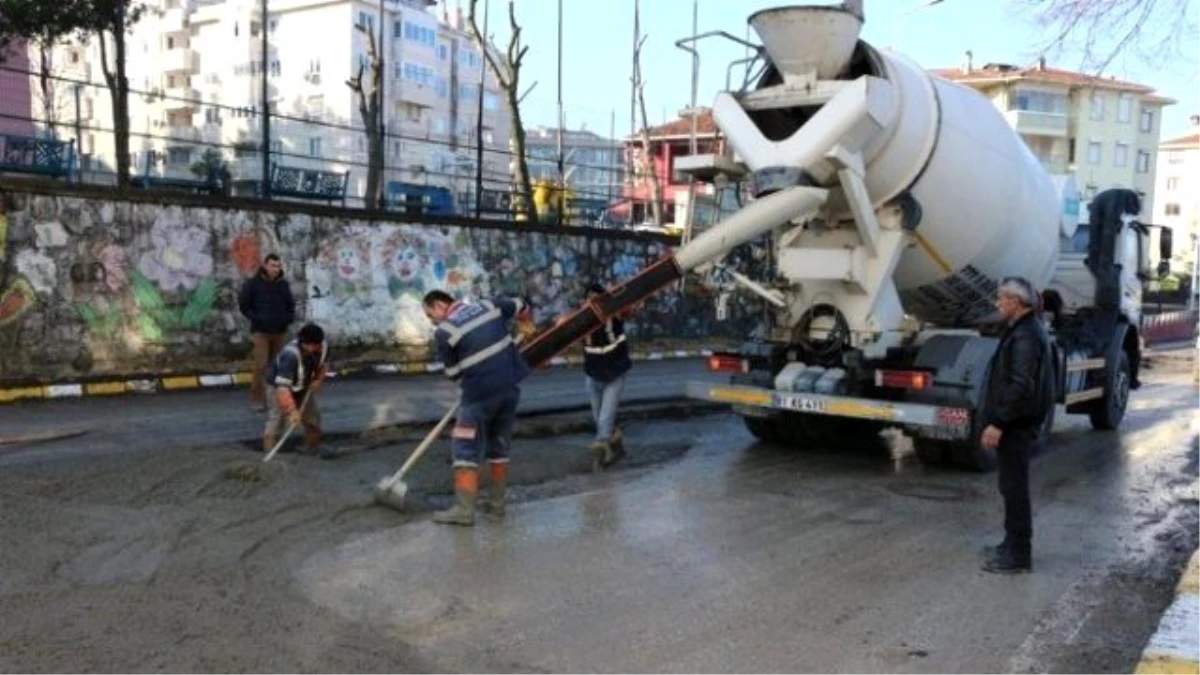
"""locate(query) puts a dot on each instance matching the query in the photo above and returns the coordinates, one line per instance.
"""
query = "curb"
(173, 383)
(1175, 645)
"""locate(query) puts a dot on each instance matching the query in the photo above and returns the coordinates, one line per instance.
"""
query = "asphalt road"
(706, 552)
(745, 557)
(40, 430)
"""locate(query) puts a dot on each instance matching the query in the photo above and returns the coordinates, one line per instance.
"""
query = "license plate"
(802, 404)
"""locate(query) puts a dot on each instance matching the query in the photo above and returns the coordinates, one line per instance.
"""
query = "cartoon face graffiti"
(405, 264)
(348, 261)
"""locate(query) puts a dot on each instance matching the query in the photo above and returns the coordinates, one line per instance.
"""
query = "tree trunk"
(523, 180)
(49, 110)
(118, 90)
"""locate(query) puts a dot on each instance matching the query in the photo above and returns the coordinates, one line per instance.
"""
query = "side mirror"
(1164, 244)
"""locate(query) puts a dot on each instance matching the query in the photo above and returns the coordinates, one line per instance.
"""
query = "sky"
(597, 44)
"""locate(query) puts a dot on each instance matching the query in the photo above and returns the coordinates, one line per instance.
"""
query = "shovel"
(391, 491)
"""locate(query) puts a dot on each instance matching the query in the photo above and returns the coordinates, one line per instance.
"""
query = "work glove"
(294, 417)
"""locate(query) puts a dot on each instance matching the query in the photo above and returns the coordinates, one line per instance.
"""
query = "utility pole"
(633, 87)
(483, 44)
(383, 107)
(79, 141)
(266, 109)
(562, 179)
(612, 156)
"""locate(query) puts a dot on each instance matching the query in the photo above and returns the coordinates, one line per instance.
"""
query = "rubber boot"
(495, 506)
(1012, 560)
(996, 550)
(313, 445)
(600, 453)
(616, 448)
(466, 488)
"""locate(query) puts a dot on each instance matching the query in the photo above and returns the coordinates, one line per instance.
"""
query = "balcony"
(182, 98)
(416, 94)
(1037, 123)
(182, 135)
(180, 61)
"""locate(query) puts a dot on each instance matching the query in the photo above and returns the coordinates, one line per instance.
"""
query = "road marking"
(1175, 645)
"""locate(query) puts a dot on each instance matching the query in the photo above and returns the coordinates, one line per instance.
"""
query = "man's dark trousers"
(1013, 459)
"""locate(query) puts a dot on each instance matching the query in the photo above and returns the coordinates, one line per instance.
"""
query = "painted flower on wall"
(178, 257)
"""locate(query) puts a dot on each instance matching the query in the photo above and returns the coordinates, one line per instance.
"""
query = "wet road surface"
(708, 552)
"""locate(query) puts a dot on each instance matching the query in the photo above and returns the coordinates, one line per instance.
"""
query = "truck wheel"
(1107, 412)
(762, 428)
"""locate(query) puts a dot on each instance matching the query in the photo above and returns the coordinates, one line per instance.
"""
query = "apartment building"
(16, 105)
(1101, 130)
(196, 72)
(1178, 190)
(593, 166)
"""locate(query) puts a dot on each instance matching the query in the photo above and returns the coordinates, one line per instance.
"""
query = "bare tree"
(508, 75)
(1102, 30)
(115, 18)
(370, 107)
(648, 167)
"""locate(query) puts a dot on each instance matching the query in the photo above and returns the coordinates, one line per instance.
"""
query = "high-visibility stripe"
(479, 356)
(606, 348)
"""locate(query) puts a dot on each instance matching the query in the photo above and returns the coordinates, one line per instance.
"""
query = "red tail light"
(724, 363)
(903, 379)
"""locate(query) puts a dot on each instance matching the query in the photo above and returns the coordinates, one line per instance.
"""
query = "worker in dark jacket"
(292, 382)
(266, 300)
(1020, 391)
(605, 364)
(476, 348)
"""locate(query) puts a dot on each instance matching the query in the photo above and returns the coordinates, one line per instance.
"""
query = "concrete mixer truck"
(895, 203)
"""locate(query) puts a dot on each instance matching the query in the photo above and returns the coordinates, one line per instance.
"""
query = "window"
(1097, 105)
(442, 87)
(272, 24)
(1147, 121)
(491, 101)
(314, 146)
(468, 59)
(1143, 161)
(412, 112)
(439, 125)
(1095, 152)
(277, 147)
(212, 115)
(443, 52)
(419, 34)
(276, 69)
(419, 74)
(1171, 210)
(170, 42)
(1124, 108)
(1174, 157)
(179, 156)
(1040, 101)
(1172, 184)
(1121, 156)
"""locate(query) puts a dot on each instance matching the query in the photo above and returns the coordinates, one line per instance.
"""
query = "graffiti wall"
(93, 286)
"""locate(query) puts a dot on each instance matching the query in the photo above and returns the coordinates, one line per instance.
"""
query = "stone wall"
(99, 283)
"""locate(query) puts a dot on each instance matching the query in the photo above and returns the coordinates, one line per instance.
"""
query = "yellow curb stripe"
(1168, 665)
(242, 378)
(180, 382)
(1190, 581)
(103, 388)
(10, 395)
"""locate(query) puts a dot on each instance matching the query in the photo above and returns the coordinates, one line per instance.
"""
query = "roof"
(682, 126)
(1188, 141)
(1001, 73)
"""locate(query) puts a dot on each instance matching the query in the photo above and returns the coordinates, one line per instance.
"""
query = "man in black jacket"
(1020, 391)
(266, 300)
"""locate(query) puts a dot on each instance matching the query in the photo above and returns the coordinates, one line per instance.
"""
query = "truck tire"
(764, 429)
(1107, 412)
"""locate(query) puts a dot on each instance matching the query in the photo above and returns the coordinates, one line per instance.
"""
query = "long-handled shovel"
(391, 491)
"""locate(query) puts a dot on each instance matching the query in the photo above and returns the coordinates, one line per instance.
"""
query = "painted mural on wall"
(90, 286)
(373, 278)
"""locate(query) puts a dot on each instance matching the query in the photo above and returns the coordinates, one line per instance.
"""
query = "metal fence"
(168, 154)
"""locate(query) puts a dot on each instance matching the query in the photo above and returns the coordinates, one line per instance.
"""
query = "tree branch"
(1103, 30)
